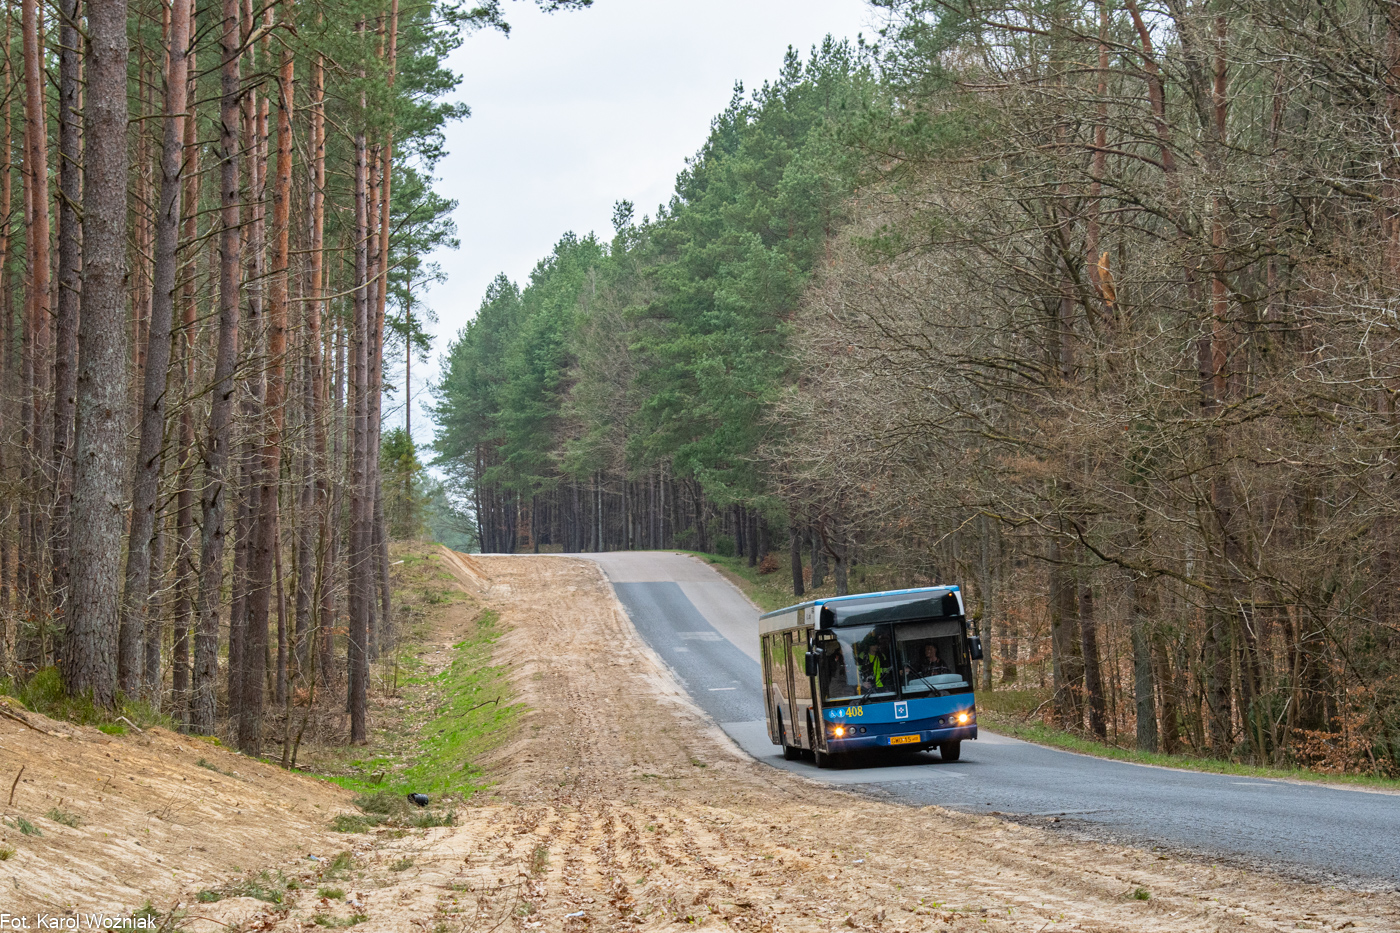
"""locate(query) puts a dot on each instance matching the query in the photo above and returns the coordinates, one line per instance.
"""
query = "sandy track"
(620, 807)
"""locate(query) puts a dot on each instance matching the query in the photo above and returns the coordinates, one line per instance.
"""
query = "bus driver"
(931, 663)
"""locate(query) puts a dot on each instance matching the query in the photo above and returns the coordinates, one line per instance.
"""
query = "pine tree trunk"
(146, 483)
(283, 655)
(186, 573)
(795, 557)
(70, 264)
(249, 618)
(751, 533)
(9, 363)
(333, 527)
(1141, 604)
(1089, 643)
(265, 536)
(841, 568)
(40, 308)
(153, 626)
(381, 568)
(100, 436)
(315, 512)
(1065, 668)
(358, 565)
(1166, 683)
(219, 440)
(985, 597)
(248, 492)
(701, 529)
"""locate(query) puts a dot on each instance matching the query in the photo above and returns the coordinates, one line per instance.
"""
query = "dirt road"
(620, 806)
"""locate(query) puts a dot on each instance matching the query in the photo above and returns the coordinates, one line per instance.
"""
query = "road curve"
(706, 631)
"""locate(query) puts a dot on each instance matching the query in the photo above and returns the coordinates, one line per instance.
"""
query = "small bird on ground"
(419, 799)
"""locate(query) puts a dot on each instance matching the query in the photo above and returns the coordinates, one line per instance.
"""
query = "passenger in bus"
(876, 670)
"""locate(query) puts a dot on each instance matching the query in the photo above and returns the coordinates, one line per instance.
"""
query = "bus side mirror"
(974, 648)
(813, 656)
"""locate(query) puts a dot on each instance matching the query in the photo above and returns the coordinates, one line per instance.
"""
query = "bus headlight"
(838, 731)
(964, 718)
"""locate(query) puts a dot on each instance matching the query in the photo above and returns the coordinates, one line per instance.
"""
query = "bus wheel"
(789, 753)
(950, 751)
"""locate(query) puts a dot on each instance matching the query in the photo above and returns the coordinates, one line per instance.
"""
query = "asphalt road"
(706, 631)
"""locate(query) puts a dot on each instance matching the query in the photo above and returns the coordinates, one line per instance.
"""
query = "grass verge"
(1041, 734)
(770, 591)
(466, 713)
(473, 715)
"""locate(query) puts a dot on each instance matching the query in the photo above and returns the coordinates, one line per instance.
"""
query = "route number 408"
(855, 711)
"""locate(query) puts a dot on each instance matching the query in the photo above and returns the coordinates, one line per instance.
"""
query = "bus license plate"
(904, 739)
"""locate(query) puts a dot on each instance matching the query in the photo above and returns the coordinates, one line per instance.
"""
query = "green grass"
(6, 853)
(402, 864)
(205, 763)
(264, 886)
(321, 920)
(471, 714)
(338, 867)
(25, 827)
(354, 823)
(430, 818)
(539, 860)
(60, 816)
(147, 912)
(383, 803)
(475, 716)
(1021, 702)
(331, 894)
(43, 693)
(1002, 712)
(770, 591)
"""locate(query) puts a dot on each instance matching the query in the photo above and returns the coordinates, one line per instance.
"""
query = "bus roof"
(885, 594)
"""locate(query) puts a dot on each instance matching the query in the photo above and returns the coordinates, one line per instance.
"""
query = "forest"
(213, 217)
(1090, 307)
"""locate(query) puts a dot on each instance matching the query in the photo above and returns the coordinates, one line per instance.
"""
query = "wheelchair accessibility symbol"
(901, 711)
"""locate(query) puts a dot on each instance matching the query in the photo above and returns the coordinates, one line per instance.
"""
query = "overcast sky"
(575, 111)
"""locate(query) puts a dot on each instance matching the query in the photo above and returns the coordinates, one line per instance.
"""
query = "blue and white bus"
(852, 674)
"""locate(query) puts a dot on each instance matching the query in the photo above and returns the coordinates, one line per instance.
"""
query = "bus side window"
(780, 675)
(801, 683)
(766, 644)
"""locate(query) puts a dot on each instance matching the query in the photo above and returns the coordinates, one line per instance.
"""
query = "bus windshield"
(873, 663)
(856, 665)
